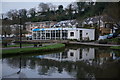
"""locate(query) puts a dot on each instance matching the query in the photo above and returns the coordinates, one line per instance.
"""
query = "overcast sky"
(8, 4)
(27, 4)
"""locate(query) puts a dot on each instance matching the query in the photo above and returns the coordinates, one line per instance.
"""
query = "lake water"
(74, 63)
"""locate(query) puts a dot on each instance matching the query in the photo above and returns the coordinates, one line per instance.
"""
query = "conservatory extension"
(63, 34)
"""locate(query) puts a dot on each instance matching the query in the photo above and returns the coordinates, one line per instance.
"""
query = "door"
(80, 34)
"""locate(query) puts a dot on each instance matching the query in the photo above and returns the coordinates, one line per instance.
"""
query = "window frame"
(72, 34)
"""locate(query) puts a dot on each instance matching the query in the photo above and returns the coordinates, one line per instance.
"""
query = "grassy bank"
(33, 49)
(115, 47)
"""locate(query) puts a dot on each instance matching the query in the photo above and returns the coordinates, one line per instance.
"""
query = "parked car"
(103, 37)
(112, 35)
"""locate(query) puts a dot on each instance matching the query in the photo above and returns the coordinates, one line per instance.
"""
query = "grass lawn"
(33, 49)
(115, 47)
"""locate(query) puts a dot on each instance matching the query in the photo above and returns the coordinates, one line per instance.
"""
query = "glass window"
(47, 34)
(38, 34)
(71, 54)
(34, 34)
(57, 33)
(71, 33)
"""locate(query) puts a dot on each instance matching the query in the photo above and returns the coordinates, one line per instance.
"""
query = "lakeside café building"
(63, 34)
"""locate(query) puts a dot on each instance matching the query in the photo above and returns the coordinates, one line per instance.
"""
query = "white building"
(63, 33)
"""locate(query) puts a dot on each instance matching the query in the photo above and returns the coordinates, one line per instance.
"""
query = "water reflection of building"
(103, 57)
(81, 54)
(72, 55)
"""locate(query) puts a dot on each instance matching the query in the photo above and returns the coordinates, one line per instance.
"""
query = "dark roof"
(95, 19)
(39, 22)
(67, 23)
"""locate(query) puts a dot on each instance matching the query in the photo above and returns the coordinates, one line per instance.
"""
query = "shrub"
(114, 41)
(73, 40)
(110, 41)
(6, 42)
(102, 41)
(115, 47)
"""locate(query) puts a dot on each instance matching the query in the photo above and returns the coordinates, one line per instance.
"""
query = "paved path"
(93, 44)
(26, 46)
(16, 47)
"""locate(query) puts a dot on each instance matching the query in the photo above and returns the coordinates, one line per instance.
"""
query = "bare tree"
(6, 30)
(16, 30)
(23, 13)
(43, 7)
(113, 10)
(32, 12)
(13, 14)
(52, 7)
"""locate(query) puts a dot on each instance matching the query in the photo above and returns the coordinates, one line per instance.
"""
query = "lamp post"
(20, 34)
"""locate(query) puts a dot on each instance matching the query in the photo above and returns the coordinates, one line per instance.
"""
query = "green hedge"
(110, 41)
(115, 47)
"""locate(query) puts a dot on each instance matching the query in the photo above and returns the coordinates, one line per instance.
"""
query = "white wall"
(75, 34)
(75, 56)
(91, 34)
(87, 55)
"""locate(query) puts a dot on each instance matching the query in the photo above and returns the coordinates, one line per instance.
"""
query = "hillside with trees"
(50, 12)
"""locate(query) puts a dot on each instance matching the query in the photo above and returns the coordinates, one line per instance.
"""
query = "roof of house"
(43, 29)
(95, 19)
(39, 22)
(67, 23)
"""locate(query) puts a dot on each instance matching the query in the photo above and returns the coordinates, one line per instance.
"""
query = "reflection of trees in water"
(117, 53)
(43, 70)
(15, 62)
(102, 50)
(83, 69)
(80, 69)
(87, 49)
(110, 70)
(32, 64)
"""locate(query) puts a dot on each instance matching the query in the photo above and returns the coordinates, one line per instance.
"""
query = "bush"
(115, 47)
(102, 41)
(110, 41)
(73, 40)
(6, 42)
(114, 41)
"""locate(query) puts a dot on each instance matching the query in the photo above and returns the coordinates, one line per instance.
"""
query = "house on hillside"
(104, 23)
(67, 23)
(33, 25)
